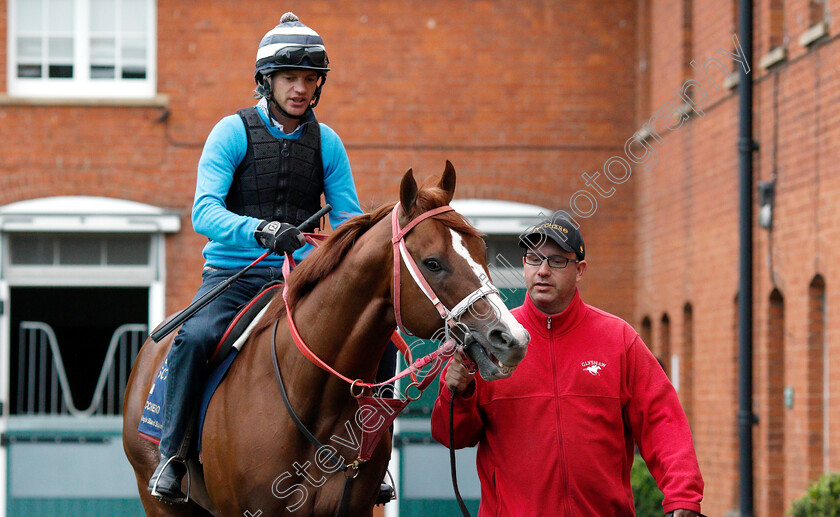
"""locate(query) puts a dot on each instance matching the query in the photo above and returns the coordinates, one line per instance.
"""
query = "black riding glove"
(279, 237)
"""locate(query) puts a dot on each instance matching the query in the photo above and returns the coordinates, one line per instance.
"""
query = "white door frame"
(77, 214)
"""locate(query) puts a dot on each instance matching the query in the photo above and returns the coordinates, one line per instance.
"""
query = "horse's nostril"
(501, 337)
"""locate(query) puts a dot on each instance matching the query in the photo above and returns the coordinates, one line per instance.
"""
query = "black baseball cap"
(558, 228)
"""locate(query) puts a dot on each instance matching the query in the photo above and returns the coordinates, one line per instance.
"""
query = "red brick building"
(686, 240)
(533, 102)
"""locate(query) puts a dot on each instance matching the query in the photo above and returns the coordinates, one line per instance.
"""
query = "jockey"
(261, 173)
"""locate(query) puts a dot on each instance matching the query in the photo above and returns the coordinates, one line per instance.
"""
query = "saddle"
(235, 335)
(151, 424)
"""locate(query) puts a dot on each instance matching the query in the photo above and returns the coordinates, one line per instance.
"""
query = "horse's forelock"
(429, 197)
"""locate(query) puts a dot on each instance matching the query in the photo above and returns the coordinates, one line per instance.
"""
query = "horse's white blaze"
(516, 329)
(460, 249)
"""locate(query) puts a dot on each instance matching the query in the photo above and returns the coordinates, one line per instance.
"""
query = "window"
(816, 11)
(82, 48)
(776, 32)
(771, 424)
(687, 369)
(687, 37)
(503, 251)
(84, 241)
(815, 396)
(646, 332)
(80, 250)
(80, 258)
(664, 348)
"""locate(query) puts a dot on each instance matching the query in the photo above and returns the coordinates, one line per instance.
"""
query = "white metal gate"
(42, 385)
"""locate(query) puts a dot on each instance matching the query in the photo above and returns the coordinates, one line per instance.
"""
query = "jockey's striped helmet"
(291, 45)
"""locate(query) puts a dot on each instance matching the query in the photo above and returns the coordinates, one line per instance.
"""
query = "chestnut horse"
(342, 298)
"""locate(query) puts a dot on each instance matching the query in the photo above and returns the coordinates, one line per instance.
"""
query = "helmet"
(290, 45)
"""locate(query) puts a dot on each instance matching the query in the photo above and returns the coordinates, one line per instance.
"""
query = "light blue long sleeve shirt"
(232, 244)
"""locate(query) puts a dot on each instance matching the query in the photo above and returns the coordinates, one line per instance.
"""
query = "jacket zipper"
(564, 472)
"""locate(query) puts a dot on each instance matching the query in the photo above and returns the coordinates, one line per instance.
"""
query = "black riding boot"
(165, 483)
(386, 494)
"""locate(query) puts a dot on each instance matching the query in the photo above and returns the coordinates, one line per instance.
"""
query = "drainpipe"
(746, 147)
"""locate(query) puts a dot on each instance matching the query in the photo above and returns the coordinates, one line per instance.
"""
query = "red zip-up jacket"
(557, 437)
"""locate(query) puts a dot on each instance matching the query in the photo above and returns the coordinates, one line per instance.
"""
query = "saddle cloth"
(151, 421)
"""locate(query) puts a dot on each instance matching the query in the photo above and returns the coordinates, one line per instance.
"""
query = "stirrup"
(165, 498)
(387, 493)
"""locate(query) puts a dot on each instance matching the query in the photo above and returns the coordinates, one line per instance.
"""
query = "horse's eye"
(432, 265)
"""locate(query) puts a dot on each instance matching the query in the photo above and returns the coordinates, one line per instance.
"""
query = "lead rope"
(464, 511)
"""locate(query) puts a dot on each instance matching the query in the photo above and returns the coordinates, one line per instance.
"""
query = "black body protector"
(279, 179)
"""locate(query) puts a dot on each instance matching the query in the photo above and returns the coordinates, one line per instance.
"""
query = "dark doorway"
(84, 319)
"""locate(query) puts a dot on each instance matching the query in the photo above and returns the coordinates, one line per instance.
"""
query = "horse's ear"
(447, 181)
(408, 192)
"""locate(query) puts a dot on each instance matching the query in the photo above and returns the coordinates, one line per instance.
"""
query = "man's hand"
(279, 237)
(457, 375)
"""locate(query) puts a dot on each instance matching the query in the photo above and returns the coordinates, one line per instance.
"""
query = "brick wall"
(687, 248)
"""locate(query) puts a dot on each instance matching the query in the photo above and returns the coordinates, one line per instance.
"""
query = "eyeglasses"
(296, 55)
(554, 261)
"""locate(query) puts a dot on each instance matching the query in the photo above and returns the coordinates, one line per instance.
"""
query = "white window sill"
(732, 80)
(158, 101)
(773, 57)
(813, 33)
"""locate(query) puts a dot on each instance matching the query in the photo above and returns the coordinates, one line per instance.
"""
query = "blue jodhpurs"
(194, 345)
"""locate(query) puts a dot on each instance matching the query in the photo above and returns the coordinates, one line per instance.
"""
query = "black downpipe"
(746, 146)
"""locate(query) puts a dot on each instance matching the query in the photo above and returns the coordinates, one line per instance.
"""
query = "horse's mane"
(326, 257)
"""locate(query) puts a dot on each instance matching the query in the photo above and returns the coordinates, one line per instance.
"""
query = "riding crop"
(222, 286)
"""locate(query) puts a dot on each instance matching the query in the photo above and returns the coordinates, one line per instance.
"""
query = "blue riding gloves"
(279, 237)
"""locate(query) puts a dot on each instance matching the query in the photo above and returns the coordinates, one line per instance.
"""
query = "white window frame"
(81, 85)
(96, 216)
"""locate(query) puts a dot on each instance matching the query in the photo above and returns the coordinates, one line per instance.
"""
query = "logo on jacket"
(593, 367)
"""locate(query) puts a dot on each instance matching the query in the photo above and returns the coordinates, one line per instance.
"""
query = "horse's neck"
(348, 318)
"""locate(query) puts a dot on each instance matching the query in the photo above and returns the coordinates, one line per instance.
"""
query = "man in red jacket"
(557, 437)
